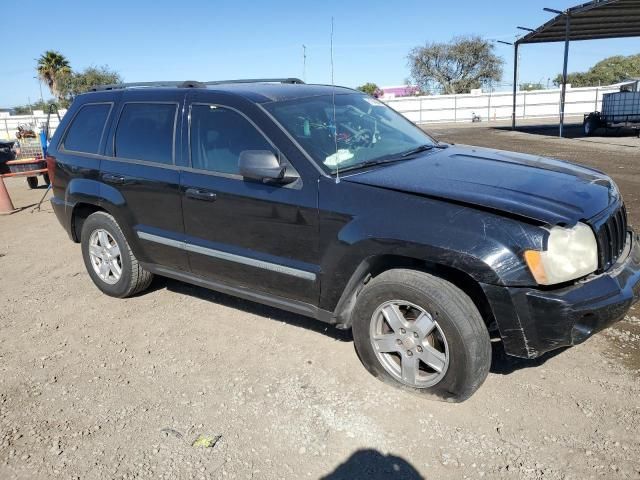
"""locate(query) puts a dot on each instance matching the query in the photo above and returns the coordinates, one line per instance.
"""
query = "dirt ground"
(97, 388)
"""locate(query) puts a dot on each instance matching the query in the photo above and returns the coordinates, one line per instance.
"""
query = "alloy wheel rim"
(409, 343)
(105, 256)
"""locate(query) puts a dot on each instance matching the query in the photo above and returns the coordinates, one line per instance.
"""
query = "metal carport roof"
(598, 19)
(591, 21)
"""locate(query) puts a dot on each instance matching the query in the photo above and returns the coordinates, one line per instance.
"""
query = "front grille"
(612, 236)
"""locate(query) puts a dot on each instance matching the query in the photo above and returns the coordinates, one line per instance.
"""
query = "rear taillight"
(51, 167)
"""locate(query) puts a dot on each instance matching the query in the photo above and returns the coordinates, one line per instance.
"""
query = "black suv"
(323, 201)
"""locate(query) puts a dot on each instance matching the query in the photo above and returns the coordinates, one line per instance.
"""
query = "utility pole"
(40, 85)
(304, 63)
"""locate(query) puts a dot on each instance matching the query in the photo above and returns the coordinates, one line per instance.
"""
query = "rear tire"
(45, 177)
(108, 258)
(590, 125)
(32, 182)
(450, 363)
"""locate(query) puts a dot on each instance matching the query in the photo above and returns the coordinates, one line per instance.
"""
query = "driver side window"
(217, 137)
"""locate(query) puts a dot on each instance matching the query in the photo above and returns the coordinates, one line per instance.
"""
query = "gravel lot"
(94, 387)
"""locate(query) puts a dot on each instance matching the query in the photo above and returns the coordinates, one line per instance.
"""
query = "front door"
(245, 233)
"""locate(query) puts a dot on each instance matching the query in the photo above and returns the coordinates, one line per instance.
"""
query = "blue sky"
(209, 40)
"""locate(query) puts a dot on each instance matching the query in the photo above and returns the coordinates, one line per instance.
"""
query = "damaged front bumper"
(534, 321)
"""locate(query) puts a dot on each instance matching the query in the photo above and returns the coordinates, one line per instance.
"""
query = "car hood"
(539, 188)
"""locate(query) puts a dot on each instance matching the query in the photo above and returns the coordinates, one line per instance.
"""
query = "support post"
(455, 109)
(6, 205)
(563, 92)
(515, 85)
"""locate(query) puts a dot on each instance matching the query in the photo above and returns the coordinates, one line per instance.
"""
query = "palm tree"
(51, 67)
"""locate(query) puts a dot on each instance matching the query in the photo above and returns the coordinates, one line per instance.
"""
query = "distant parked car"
(7, 152)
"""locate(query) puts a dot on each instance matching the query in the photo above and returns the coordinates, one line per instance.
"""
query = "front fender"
(485, 245)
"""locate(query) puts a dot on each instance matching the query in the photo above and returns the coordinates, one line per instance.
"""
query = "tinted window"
(87, 127)
(218, 135)
(145, 132)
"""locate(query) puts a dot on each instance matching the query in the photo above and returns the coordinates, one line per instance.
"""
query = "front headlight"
(571, 253)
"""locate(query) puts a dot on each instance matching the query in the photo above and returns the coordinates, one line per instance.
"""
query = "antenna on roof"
(304, 62)
(333, 101)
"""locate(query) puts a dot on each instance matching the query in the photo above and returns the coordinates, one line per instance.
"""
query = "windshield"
(365, 130)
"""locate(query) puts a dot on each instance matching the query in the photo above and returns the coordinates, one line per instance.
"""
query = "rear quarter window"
(146, 132)
(87, 128)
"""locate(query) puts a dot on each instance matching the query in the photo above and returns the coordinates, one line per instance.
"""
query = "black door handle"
(111, 178)
(197, 194)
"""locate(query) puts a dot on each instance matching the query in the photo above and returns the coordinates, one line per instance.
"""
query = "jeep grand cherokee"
(323, 201)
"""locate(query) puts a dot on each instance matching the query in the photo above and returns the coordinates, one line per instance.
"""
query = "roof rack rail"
(257, 80)
(193, 83)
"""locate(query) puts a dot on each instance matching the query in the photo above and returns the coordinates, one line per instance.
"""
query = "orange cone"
(6, 205)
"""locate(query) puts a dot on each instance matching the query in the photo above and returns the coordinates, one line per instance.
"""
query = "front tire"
(423, 334)
(108, 258)
(32, 182)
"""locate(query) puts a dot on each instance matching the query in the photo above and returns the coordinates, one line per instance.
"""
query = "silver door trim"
(230, 257)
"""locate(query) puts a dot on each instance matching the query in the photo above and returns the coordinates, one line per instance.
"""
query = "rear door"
(245, 233)
(141, 166)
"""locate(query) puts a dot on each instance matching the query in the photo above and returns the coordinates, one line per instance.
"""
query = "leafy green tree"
(458, 66)
(23, 109)
(527, 87)
(39, 105)
(370, 89)
(80, 82)
(606, 72)
(52, 68)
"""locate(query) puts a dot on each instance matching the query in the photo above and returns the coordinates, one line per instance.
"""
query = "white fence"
(428, 109)
(499, 105)
(9, 123)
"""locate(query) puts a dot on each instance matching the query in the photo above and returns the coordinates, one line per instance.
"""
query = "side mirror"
(260, 165)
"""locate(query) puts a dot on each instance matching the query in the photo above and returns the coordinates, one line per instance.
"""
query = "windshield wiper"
(395, 158)
(424, 148)
(421, 148)
(370, 163)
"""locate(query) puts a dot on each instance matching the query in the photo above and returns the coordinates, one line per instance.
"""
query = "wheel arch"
(88, 196)
(375, 265)
(82, 211)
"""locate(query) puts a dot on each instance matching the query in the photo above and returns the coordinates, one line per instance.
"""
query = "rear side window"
(146, 131)
(87, 127)
(218, 136)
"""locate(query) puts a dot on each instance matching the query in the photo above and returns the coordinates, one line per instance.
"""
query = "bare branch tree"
(456, 67)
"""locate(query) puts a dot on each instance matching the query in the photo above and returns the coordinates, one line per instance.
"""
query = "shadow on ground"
(501, 363)
(373, 465)
(251, 307)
